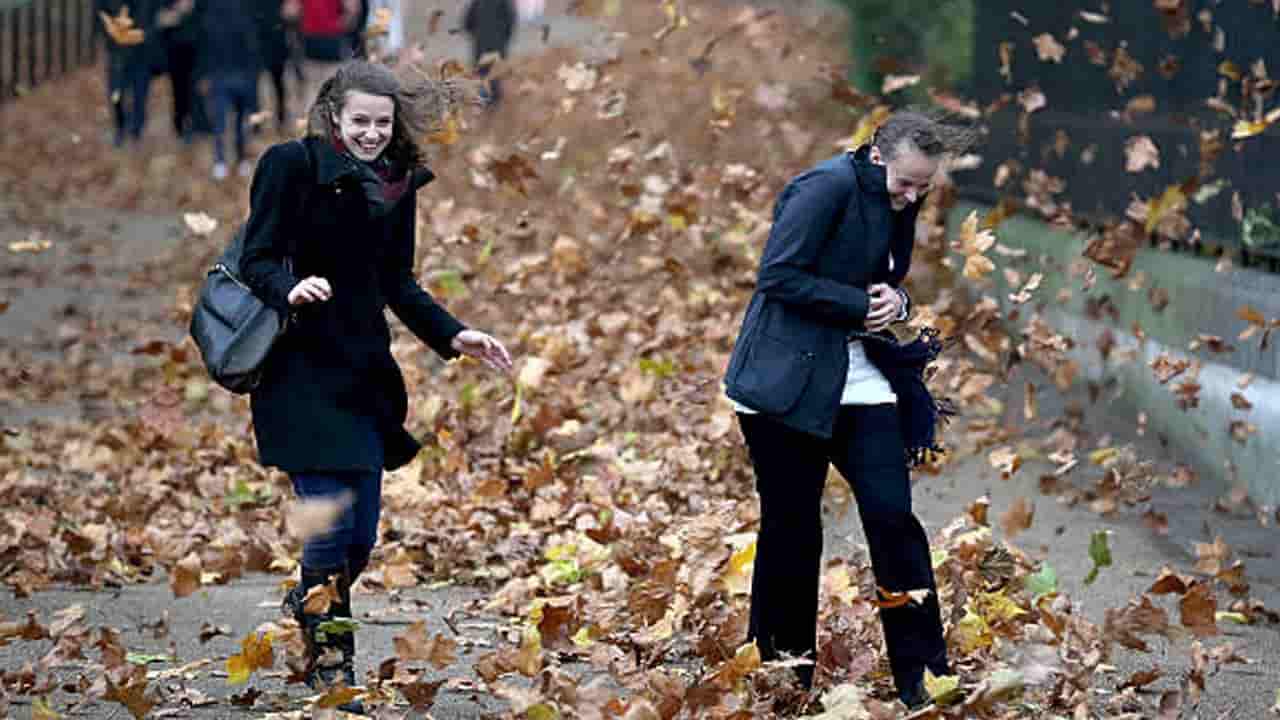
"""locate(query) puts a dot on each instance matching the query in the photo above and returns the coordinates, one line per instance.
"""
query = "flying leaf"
(1041, 583)
(1141, 153)
(1018, 517)
(1100, 553)
(1172, 200)
(255, 654)
(1048, 48)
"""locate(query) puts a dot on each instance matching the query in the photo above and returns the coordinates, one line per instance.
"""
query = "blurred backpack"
(231, 326)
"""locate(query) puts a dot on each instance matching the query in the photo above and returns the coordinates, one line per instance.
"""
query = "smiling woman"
(330, 242)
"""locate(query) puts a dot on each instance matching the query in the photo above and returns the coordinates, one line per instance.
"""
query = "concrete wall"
(1201, 301)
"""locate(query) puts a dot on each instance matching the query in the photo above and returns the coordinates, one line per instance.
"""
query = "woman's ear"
(875, 155)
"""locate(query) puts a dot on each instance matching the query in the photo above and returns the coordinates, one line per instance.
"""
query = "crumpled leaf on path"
(846, 701)
(132, 693)
(186, 575)
(1198, 609)
(255, 654)
(416, 644)
(338, 695)
(944, 689)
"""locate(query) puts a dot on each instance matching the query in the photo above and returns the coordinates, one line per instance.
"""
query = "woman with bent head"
(816, 381)
(330, 410)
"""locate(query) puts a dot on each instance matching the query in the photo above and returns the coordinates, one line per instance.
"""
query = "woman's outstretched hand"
(483, 347)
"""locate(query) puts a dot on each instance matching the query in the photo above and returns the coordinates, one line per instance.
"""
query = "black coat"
(833, 231)
(229, 38)
(333, 372)
(490, 23)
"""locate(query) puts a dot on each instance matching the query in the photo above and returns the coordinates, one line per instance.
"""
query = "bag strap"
(304, 195)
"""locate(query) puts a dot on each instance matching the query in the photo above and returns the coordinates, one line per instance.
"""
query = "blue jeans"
(232, 90)
(350, 541)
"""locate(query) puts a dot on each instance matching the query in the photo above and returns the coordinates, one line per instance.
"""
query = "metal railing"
(41, 40)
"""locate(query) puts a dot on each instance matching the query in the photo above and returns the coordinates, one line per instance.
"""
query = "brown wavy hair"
(423, 104)
(933, 132)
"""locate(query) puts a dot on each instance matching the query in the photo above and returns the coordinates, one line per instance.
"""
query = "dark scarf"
(383, 184)
(906, 367)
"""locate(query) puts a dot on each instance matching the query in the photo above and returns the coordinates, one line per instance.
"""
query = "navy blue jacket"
(833, 231)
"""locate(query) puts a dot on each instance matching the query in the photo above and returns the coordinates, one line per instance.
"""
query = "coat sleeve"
(415, 307)
(808, 209)
(273, 204)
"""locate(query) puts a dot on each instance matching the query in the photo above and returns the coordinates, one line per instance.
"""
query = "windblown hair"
(932, 132)
(422, 105)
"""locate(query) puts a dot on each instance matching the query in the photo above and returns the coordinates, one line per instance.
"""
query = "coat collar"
(872, 178)
(332, 165)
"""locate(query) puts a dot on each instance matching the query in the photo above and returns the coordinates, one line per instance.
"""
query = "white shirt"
(864, 384)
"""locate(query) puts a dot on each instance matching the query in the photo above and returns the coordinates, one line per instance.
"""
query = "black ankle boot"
(345, 642)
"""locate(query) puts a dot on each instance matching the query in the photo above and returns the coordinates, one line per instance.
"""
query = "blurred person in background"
(277, 20)
(359, 23)
(131, 61)
(230, 63)
(491, 24)
(326, 27)
(180, 26)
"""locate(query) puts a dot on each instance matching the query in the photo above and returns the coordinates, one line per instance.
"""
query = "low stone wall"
(1200, 302)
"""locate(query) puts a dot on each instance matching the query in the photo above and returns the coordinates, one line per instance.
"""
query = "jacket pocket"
(774, 375)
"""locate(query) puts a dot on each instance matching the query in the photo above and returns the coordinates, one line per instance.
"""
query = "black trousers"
(182, 76)
(791, 469)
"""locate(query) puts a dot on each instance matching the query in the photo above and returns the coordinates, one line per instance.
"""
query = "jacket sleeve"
(415, 307)
(273, 204)
(808, 209)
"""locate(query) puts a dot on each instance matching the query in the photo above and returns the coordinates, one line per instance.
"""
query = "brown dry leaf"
(415, 644)
(184, 579)
(132, 693)
(1240, 402)
(1142, 678)
(337, 695)
(1212, 557)
(1005, 459)
(978, 511)
(1198, 610)
(319, 599)
(421, 694)
(1018, 517)
(514, 172)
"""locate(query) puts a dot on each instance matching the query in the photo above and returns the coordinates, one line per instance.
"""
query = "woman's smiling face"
(366, 123)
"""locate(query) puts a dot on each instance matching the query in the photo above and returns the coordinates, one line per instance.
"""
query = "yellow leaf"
(944, 690)
(1171, 200)
(971, 633)
(868, 125)
(237, 670)
(542, 711)
(337, 695)
(737, 579)
(998, 608)
(1249, 128)
(529, 659)
(40, 710)
(1102, 455)
(447, 133)
(255, 654)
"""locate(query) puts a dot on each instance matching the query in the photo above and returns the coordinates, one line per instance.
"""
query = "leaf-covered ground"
(606, 223)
